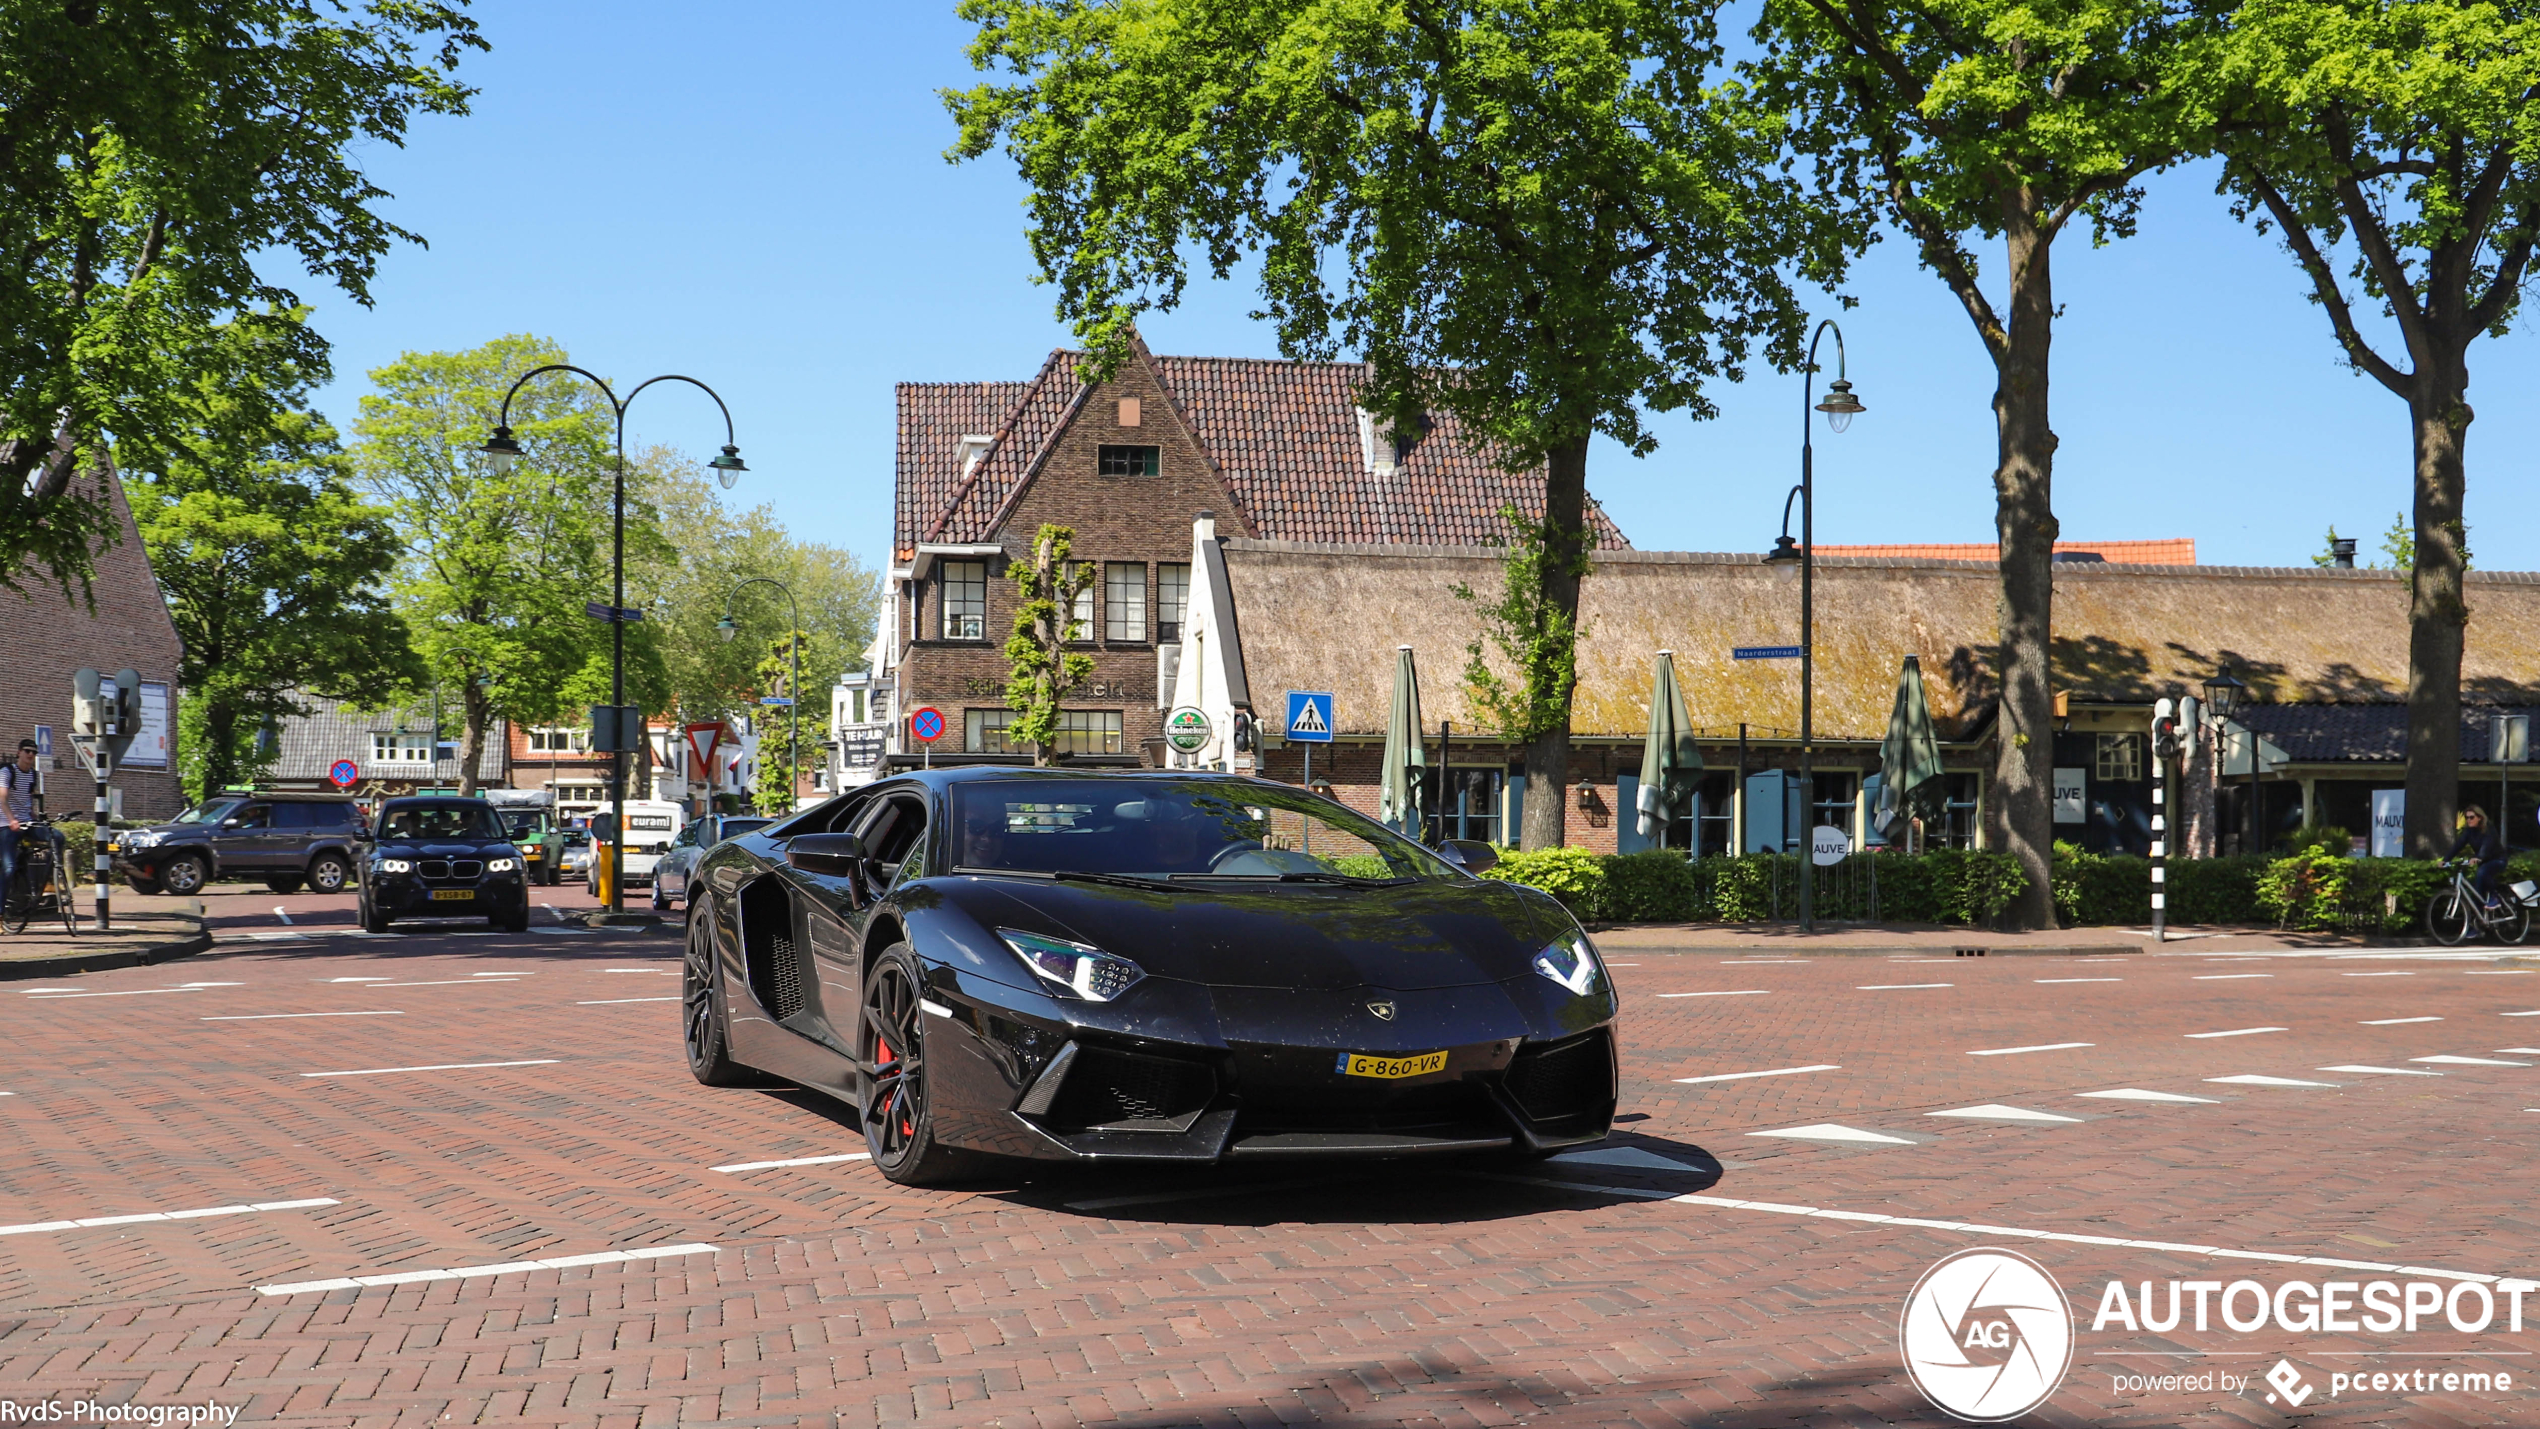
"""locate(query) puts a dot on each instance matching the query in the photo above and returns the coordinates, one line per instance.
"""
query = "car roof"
(418, 801)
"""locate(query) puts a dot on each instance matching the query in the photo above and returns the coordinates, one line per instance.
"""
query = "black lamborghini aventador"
(1059, 965)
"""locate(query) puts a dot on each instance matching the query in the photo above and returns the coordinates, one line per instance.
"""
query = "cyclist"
(18, 782)
(2479, 840)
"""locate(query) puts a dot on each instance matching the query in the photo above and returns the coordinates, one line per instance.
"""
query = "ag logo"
(1987, 1335)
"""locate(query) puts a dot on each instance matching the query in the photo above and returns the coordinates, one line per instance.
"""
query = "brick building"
(1275, 450)
(49, 637)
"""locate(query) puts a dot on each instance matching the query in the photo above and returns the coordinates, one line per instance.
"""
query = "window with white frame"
(548, 739)
(965, 600)
(1079, 732)
(1172, 597)
(401, 746)
(1124, 601)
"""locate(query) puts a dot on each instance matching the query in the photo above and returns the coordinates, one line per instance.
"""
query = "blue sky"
(755, 195)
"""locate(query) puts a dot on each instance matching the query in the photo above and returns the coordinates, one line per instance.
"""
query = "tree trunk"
(472, 709)
(220, 746)
(1565, 540)
(2020, 814)
(2437, 610)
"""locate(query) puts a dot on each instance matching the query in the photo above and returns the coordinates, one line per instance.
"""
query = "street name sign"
(602, 610)
(1764, 652)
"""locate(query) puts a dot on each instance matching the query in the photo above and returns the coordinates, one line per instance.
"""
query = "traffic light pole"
(105, 822)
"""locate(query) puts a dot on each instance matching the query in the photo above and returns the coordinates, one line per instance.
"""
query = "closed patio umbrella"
(1399, 797)
(1910, 785)
(1669, 757)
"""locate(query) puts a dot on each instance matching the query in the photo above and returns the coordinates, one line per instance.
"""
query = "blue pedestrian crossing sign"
(1309, 716)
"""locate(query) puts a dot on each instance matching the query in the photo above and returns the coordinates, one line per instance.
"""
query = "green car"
(541, 842)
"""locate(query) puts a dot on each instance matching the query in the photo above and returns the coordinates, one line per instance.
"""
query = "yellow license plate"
(461, 895)
(1418, 1064)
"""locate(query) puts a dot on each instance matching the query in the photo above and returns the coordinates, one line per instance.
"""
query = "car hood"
(1430, 934)
(462, 848)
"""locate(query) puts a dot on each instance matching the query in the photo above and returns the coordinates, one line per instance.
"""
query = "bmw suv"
(282, 840)
(442, 857)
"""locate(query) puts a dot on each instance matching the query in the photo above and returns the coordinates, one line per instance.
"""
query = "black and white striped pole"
(105, 719)
(2164, 747)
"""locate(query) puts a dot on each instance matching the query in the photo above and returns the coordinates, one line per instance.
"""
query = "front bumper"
(403, 894)
(1027, 1087)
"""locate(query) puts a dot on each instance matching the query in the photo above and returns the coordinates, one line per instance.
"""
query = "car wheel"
(284, 883)
(185, 875)
(899, 1125)
(139, 884)
(329, 873)
(373, 921)
(705, 1025)
(515, 921)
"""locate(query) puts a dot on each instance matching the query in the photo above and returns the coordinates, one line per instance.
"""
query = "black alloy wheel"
(704, 1023)
(185, 875)
(373, 920)
(899, 1128)
(329, 873)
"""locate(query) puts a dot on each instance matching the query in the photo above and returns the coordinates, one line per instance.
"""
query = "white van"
(650, 826)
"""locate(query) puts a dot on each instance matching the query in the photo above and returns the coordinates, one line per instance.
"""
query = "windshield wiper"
(1301, 877)
(1068, 875)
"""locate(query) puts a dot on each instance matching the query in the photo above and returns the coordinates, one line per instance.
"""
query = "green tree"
(2395, 147)
(1045, 671)
(496, 566)
(2006, 121)
(269, 561)
(1529, 635)
(152, 158)
(783, 758)
(1538, 216)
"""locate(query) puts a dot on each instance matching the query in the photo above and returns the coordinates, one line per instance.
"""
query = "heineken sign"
(1186, 729)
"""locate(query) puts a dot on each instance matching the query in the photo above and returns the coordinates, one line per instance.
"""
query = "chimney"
(1205, 528)
(2341, 553)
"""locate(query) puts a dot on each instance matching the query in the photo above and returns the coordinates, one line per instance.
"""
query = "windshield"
(524, 822)
(210, 811)
(1164, 829)
(734, 828)
(440, 821)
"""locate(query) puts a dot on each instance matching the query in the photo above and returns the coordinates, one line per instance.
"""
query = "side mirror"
(229, 823)
(1471, 855)
(832, 855)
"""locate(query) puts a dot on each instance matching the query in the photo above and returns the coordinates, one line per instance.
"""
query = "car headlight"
(393, 865)
(138, 838)
(1086, 971)
(502, 865)
(1571, 962)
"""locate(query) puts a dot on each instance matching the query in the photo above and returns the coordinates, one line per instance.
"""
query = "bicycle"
(2454, 913)
(37, 880)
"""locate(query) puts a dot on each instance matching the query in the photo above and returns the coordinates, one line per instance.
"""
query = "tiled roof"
(2378, 733)
(1285, 437)
(2178, 552)
(335, 730)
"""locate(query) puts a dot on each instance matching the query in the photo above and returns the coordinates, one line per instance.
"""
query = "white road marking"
(2138, 1094)
(1897, 986)
(357, 979)
(2376, 974)
(439, 982)
(2226, 977)
(606, 1001)
(794, 1161)
(2383, 1071)
(1622, 965)
(137, 992)
(2521, 1051)
(561, 1262)
(2452, 1061)
(465, 1066)
(1998, 1112)
(1828, 1131)
(2240, 1032)
(1631, 1157)
(512, 974)
(2223, 1252)
(2535, 1012)
(2040, 1047)
(2497, 972)
(270, 936)
(550, 907)
(1756, 962)
(1775, 1072)
(198, 1213)
(1741, 992)
(30, 991)
(2252, 1079)
(278, 913)
(2396, 1021)
(630, 970)
(2080, 979)
(565, 932)
(270, 1016)
(212, 984)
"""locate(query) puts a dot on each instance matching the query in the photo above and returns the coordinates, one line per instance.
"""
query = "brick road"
(1580, 1292)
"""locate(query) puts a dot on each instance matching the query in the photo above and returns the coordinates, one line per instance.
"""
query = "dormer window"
(972, 449)
(1128, 461)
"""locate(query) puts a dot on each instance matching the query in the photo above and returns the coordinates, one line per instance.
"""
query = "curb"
(105, 959)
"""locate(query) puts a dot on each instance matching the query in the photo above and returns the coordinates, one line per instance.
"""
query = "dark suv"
(285, 840)
(442, 857)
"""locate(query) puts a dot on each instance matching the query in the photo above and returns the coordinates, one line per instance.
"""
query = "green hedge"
(1658, 886)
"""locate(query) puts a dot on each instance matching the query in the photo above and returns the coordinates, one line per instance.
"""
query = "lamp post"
(1840, 408)
(2224, 695)
(503, 450)
(728, 628)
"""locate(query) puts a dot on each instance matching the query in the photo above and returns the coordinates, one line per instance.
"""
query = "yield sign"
(701, 742)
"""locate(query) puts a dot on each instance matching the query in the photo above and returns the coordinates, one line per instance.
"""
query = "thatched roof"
(1328, 617)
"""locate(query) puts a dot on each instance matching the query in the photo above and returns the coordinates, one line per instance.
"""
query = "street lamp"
(2225, 693)
(503, 450)
(728, 628)
(1840, 408)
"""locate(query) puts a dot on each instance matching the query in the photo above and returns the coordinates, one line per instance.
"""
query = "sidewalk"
(153, 932)
(1938, 940)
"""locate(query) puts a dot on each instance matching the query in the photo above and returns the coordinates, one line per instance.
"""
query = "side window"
(255, 816)
(892, 833)
(331, 816)
(294, 816)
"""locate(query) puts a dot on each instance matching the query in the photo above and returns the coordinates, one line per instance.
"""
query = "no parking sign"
(926, 724)
(345, 774)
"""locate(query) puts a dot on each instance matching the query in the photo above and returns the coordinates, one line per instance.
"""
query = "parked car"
(670, 876)
(575, 861)
(651, 824)
(1183, 968)
(442, 857)
(283, 840)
